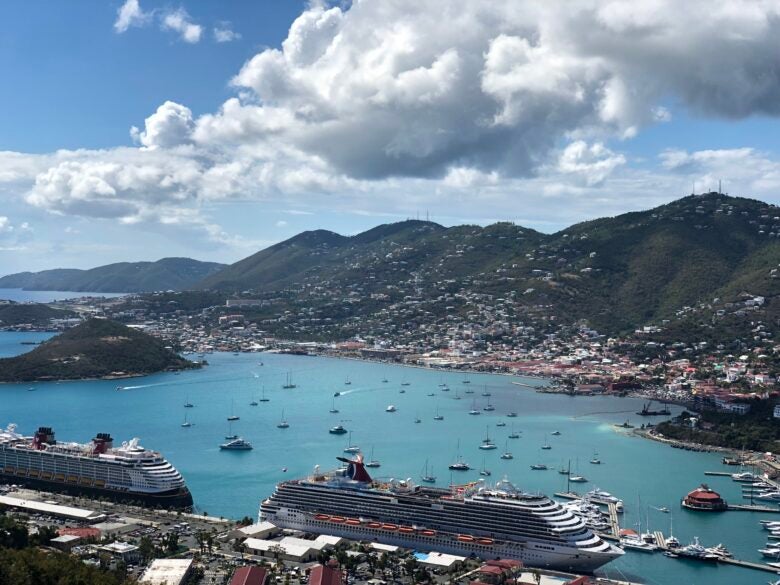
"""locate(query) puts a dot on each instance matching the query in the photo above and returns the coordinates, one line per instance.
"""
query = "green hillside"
(615, 273)
(165, 274)
(97, 348)
(14, 314)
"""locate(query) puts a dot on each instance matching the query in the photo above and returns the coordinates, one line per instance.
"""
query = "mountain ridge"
(119, 277)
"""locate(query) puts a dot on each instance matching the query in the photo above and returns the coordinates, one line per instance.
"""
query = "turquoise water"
(232, 483)
(47, 296)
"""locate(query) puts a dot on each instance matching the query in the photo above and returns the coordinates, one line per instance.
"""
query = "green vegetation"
(165, 274)
(14, 314)
(22, 564)
(97, 348)
(757, 430)
(616, 274)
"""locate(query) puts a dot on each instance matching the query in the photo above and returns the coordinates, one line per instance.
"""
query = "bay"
(47, 296)
(232, 484)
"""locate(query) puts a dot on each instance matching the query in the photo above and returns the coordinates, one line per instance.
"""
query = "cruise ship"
(472, 519)
(128, 473)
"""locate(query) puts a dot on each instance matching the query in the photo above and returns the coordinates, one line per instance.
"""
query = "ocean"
(231, 484)
(47, 296)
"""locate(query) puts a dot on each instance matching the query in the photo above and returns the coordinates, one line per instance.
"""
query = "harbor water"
(231, 484)
(20, 295)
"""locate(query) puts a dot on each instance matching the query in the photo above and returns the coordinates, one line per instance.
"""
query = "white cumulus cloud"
(224, 33)
(130, 14)
(180, 22)
(171, 125)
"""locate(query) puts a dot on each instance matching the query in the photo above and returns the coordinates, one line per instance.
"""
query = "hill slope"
(617, 273)
(97, 348)
(165, 274)
(38, 315)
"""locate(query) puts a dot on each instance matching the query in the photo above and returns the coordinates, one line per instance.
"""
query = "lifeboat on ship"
(406, 529)
(486, 541)
(321, 517)
(338, 519)
(374, 525)
(465, 538)
(353, 522)
(391, 527)
(428, 532)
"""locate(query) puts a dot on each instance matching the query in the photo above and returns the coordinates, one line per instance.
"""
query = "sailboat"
(347, 382)
(263, 398)
(474, 410)
(427, 477)
(254, 402)
(351, 448)
(283, 424)
(186, 423)
(595, 460)
(507, 454)
(438, 416)
(466, 379)
(457, 396)
(486, 393)
(232, 415)
(333, 409)
(187, 403)
(230, 436)
(577, 478)
(289, 383)
(371, 461)
(546, 445)
(417, 419)
(404, 382)
(514, 434)
(487, 443)
(459, 464)
(489, 406)
(484, 471)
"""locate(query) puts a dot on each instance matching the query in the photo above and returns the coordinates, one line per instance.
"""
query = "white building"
(166, 572)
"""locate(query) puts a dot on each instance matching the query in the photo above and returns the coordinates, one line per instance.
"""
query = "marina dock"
(752, 508)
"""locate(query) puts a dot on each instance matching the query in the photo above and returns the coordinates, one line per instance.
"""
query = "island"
(14, 315)
(97, 348)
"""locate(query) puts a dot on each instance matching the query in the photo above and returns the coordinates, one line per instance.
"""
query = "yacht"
(438, 416)
(333, 409)
(555, 433)
(720, 550)
(288, 384)
(337, 430)
(232, 416)
(539, 467)
(427, 476)
(489, 407)
(351, 447)
(546, 445)
(263, 398)
(596, 460)
(459, 464)
(474, 410)
(487, 443)
(371, 461)
(237, 444)
(500, 424)
(186, 423)
(697, 551)
(253, 403)
(636, 543)
(577, 479)
(188, 404)
(507, 454)
(283, 424)
(390, 408)
(512, 414)
(484, 471)
(514, 434)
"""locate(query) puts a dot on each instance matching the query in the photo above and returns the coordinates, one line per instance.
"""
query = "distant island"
(122, 277)
(98, 348)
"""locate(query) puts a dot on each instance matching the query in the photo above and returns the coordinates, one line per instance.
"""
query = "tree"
(146, 548)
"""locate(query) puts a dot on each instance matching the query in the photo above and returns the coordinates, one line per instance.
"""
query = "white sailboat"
(283, 424)
(427, 477)
(371, 461)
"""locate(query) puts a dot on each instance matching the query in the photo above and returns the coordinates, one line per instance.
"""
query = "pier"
(752, 508)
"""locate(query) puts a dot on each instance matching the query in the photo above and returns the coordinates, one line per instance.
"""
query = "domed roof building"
(704, 499)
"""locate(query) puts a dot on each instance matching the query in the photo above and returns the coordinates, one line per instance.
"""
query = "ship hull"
(531, 554)
(178, 499)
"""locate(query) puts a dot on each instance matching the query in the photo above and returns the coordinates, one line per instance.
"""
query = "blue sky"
(136, 129)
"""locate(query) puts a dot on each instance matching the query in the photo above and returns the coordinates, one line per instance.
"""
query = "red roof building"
(249, 576)
(704, 499)
(325, 575)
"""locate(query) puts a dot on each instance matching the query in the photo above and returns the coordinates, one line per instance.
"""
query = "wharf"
(576, 496)
(752, 508)
(613, 520)
(718, 473)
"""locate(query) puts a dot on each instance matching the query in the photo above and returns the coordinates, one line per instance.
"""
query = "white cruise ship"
(472, 519)
(128, 473)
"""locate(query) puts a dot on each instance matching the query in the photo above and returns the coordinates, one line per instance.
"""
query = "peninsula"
(98, 348)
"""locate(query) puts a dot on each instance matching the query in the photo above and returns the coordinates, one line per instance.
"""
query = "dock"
(718, 473)
(576, 496)
(660, 540)
(748, 565)
(753, 508)
(613, 520)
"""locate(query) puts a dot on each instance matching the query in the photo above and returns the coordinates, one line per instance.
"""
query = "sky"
(135, 129)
